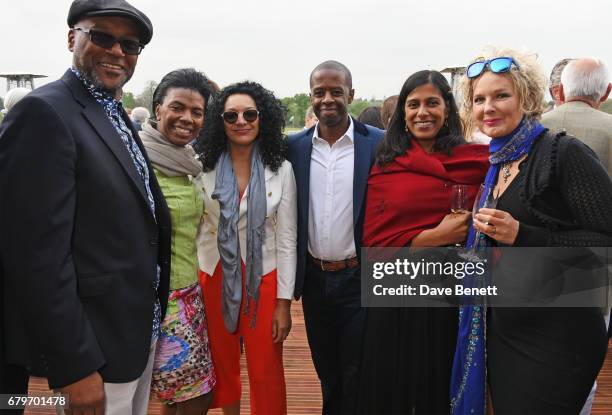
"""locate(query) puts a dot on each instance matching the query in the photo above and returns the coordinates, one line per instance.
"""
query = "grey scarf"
(226, 193)
(171, 160)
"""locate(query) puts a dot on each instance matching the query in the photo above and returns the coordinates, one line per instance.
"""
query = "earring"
(406, 127)
(446, 122)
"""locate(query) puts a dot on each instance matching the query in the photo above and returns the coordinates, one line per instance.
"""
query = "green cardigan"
(186, 207)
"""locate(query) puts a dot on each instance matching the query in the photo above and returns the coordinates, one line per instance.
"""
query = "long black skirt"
(407, 361)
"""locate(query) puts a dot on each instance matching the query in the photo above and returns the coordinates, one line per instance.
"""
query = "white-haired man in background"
(13, 97)
(585, 84)
(139, 115)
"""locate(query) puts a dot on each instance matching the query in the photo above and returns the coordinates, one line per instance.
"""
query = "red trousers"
(264, 358)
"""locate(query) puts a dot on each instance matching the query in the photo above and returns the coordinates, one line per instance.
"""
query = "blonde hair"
(528, 79)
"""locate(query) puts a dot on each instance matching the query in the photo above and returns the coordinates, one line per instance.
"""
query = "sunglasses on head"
(496, 65)
(107, 41)
(231, 117)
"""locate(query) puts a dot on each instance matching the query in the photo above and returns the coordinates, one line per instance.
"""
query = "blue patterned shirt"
(113, 110)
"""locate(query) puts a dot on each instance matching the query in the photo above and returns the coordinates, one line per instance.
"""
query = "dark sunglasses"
(231, 117)
(107, 41)
(497, 65)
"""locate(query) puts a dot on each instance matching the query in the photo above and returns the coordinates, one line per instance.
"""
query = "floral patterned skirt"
(183, 367)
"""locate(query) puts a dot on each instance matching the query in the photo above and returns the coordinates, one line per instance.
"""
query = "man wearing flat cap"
(85, 241)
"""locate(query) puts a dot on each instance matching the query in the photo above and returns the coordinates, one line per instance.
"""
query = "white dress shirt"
(330, 211)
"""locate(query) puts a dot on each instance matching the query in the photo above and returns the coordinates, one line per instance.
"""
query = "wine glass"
(459, 201)
(484, 199)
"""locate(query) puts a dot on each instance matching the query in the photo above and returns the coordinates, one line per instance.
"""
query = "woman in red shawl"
(408, 352)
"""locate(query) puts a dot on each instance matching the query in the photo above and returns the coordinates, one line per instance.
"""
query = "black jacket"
(568, 189)
(79, 245)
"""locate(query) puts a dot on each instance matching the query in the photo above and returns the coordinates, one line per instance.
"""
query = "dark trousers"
(334, 326)
(13, 380)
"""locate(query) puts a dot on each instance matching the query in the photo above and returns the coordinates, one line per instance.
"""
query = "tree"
(145, 99)
(128, 100)
(296, 109)
(1, 103)
(607, 106)
(360, 104)
(299, 103)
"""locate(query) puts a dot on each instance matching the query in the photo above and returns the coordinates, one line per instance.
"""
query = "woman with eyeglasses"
(408, 352)
(247, 244)
(550, 191)
(183, 375)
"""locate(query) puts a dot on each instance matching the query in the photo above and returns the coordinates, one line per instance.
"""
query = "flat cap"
(91, 8)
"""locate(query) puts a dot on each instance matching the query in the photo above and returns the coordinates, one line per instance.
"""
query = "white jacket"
(279, 250)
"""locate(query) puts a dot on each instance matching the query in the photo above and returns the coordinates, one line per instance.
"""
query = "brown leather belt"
(334, 265)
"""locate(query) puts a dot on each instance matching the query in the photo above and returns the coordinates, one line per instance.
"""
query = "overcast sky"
(277, 43)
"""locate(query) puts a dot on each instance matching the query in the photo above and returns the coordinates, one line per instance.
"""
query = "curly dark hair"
(397, 140)
(272, 145)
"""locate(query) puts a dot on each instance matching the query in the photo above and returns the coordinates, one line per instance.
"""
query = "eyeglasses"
(107, 41)
(497, 65)
(231, 117)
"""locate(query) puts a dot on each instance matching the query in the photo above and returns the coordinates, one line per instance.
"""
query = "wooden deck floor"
(303, 391)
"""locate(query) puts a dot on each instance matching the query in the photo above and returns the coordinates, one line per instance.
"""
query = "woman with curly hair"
(550, 191)
(247, 244)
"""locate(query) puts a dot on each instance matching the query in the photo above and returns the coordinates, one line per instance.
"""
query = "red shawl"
(413, 192)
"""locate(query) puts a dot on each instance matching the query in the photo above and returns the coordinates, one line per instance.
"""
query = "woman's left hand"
(281, 321)
(497, 224)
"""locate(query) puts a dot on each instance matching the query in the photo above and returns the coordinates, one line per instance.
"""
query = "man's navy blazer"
(79, 245)
(366, 139)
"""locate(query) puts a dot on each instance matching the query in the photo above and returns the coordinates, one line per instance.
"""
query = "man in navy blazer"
(85, 240)
(331, 162)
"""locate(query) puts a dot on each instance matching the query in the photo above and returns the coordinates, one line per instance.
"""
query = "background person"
(13, 96)
(551, 191)
(387, 110)
(139, 115)
(585, 85)
(183, 375)
(408, 352)
(310, 118)
(371, 116)
(554, 83)
(247, 244)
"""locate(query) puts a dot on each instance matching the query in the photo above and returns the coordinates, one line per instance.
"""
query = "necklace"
(506, 172)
